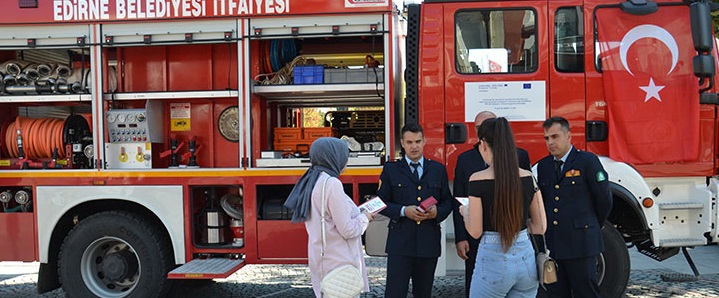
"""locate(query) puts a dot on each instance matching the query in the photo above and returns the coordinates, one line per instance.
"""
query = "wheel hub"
(601, 268)
(119, 266)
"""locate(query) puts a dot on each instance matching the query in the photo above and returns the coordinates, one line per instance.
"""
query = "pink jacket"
(344, 225)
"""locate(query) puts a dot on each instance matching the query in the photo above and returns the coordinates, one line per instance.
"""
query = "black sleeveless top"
(484, 189)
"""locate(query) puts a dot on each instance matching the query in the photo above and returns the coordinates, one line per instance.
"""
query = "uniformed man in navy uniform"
(414, 237)
(468, 163)
(577, 200)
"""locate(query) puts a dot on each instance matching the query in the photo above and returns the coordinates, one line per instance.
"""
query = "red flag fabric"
(650, 89)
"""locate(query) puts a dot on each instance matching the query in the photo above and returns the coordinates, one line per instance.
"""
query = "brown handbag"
(546, 266)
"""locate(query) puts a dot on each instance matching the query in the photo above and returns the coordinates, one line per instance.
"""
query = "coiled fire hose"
(39, 137)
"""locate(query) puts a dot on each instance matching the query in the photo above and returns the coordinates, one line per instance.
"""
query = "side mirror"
(703, 65)
(638, 7)
(701, 24)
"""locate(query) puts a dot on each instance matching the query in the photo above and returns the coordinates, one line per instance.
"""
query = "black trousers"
(469, 263)
(576, 278)
(399, 271)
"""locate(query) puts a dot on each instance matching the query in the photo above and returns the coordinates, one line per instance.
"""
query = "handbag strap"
(324, 241)
(324, 201)
(529, 227)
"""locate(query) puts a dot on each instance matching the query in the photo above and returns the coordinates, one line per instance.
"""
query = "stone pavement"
(18, 280)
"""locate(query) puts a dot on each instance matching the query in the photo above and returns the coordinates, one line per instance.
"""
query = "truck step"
(680, 205)
(207, 268)
(675, 242)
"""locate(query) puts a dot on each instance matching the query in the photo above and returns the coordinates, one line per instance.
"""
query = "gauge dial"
(89, 151)
(111, 118)
(131, 118)
(121, 118)
(141, 117)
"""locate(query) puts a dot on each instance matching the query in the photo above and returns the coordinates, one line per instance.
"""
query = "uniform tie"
(415, 165)
(558, 168)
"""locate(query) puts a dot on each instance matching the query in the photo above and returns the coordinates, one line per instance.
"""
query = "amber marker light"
(647, 202)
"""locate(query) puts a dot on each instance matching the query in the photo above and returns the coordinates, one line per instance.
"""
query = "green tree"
(715, 20)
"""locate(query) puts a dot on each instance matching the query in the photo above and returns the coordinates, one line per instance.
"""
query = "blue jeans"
(500, 274)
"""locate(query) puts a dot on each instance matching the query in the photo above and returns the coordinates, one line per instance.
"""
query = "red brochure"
(428, 202)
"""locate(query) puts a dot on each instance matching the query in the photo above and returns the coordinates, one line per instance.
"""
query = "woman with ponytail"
(503, 203)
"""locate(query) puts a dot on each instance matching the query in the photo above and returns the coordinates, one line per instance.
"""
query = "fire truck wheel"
(115, 254)
(613, 264)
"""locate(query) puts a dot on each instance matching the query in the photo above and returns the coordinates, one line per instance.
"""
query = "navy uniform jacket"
(399, 187)
(468, 163)
(577, 205)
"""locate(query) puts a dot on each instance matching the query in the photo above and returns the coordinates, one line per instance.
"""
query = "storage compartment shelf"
(44, 98)
(170, 95)
(305, 162)
(318, 91)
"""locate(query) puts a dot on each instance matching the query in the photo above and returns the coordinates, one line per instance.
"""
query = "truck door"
(491, 56)
(497, 59)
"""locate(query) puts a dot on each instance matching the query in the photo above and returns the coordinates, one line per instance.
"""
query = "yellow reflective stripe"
(209, 172)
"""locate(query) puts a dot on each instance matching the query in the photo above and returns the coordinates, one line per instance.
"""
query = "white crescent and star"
(649, 31)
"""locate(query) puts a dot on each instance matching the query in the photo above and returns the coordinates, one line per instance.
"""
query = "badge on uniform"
(601, 176)
(572, 173)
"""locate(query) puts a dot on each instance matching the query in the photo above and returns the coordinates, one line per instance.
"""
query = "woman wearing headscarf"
(501, 200)
(344, 223)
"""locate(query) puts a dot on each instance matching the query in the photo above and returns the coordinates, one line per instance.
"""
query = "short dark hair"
(412, 127)
(556, 119)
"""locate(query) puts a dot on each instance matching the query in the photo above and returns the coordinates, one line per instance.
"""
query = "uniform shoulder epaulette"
(548, 157)
(432, 161)
(582, 152)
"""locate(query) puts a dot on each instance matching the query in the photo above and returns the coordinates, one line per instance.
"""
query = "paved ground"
(18, 280)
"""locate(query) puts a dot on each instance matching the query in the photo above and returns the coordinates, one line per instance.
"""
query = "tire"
(115, 254)
(613, 265)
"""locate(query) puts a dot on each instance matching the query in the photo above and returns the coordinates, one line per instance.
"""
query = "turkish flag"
(650, 89)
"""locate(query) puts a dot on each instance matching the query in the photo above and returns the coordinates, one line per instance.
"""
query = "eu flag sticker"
(527, 85)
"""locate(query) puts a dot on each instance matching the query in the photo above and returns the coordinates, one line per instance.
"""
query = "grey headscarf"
(327, 155)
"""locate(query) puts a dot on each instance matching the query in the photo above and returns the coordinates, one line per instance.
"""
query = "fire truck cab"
(635, 79)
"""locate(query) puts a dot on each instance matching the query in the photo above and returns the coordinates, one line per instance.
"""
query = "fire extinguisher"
(238, 231)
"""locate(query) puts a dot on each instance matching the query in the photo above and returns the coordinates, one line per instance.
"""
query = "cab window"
(495, 41)
(569, 39)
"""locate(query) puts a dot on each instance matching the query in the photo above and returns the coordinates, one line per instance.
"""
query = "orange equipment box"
(298, 146)
(296, 139)
(288, 133)
(313, 133)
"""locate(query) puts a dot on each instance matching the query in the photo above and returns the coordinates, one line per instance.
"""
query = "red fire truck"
(145, 141)
(150, 140)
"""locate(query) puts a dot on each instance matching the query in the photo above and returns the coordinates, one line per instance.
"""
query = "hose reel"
(48, 138)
